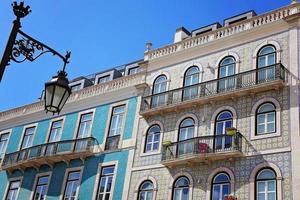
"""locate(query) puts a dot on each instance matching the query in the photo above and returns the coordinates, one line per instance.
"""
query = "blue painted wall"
(91, 164)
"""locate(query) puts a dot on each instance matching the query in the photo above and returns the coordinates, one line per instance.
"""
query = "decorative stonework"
(114, 85)
(224, 32)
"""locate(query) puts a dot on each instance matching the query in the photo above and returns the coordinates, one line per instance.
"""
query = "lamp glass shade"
(57, 92)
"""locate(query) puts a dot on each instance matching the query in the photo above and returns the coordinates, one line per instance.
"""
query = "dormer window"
(133, 70)
(103, 79)
(76, 87)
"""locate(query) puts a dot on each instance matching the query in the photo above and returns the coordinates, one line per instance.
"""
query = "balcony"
(230, 87)
(49, 154)
(203, 149)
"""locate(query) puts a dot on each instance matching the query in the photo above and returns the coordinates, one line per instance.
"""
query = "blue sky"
(103, 34)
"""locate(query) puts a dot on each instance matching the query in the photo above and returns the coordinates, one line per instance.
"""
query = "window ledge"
(150, 153)
(268, 135)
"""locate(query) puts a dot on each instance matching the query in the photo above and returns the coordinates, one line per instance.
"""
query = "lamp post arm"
(40, 46)
(25, 47)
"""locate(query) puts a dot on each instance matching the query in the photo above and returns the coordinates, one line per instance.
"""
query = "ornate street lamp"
(21, 47)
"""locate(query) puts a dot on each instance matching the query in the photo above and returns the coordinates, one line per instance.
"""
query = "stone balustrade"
(116, 84)
(224, 31)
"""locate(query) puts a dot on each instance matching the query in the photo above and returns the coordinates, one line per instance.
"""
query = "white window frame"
(98, 176)
(23, 134)
(253, 116)
(109, 117)
(8, 184)
(81, 82)
(62, 192)
(98, 76)
(37, 176)
(128, 68)
(8, 131)
(266, 191)
(92, 111)
(143, 147)
(63, 118)
(265, 123)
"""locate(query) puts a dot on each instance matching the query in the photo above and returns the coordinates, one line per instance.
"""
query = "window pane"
(271, 186)
(271, 117)
(223, 72)
(221, 178)
(185, 194)
(74, 176)
(226, 190)
(219, 130)
(177, 194)
(156, 137)
(155, 146)
(272, 196)
(181, 182)
(261, 196)
(262, 61)
(261, 186)
(260, 129)
(271, 127)
(261, 119)
(267, 107)
(271, 59)
(266, 174)
(216, 192)
(107, 170)
(230, 70)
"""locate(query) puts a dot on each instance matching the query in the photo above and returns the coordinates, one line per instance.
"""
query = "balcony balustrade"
(203, 149)
(249, 82)
(49, 153)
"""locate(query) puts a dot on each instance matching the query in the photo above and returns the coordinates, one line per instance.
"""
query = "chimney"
(181, 34)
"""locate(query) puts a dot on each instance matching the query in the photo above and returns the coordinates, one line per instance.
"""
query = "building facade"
(213, 115)
(81, 154)
(220, 113)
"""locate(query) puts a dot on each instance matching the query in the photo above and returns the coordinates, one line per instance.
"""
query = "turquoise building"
(81, 154)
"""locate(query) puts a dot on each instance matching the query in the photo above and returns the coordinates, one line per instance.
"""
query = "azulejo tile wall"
(241, 168)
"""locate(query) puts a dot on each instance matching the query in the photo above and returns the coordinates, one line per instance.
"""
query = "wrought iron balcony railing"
(49, 153)
(203, 148)
(250, 81)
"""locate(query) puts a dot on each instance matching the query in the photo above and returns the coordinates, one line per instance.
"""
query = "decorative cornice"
(219, 33)
(117, 84)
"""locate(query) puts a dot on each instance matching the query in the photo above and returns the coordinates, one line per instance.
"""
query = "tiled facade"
(139, 159)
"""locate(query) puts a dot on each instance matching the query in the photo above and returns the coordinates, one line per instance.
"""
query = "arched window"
(226, 69)
(159, 86)
(266, 60)
(265, 119)
(266, 185)
(152, 139)
(181, 188)
(186, 131)
(191, 77)
(220, 186)
(266, 56)
(146, 191)
(223, 121)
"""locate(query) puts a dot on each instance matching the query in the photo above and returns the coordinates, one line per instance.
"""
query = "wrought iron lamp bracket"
(28, 48)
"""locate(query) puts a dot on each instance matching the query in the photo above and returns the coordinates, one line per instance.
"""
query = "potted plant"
(167, 143)
(231, 131)
(229, 197)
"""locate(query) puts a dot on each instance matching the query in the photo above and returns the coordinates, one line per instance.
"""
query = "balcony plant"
(230, 197)
(167, 143)
(231, 131)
